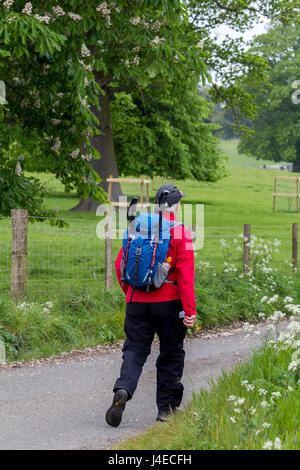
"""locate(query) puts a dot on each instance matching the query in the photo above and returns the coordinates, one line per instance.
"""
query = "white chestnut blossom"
(200, 44)
(75, 153)
(10, 19)
(57, 144)
(43, 19)
(157, 26)
(74, 17)
(55, 122)
(8, 4)
(87, 157)
(102, 8)
(58, 11)
(85, 52)
(27, 9)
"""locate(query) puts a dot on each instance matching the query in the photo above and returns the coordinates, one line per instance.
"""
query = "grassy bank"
(45, 325)
(255, 407)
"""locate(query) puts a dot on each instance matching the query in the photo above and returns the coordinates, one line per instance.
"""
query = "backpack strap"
(173, 224)
(136, 269)
(169, 273)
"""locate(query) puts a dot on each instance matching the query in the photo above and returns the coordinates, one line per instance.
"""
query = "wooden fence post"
(19, 220)
(246, 248)
(295, 247)
(108, 252)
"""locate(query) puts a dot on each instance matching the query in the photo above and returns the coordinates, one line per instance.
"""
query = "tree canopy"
(276, 130)
(64, 62)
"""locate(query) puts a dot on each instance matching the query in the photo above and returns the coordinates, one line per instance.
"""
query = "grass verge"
(254, 407)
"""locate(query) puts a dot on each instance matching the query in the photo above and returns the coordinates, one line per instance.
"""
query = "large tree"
(53, 76)
(276, 129)
(164, 134)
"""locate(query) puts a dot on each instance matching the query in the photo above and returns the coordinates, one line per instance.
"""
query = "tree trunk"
(107, 164)
(296, 167)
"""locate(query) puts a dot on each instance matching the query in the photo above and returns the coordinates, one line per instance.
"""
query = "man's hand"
(189, 321)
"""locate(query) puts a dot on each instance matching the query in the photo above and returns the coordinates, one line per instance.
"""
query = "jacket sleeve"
(118, 271)
(185, 272)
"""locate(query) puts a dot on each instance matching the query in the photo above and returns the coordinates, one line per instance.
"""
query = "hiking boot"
(115, 411)
(164, 415)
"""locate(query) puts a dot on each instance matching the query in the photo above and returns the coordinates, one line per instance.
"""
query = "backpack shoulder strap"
(174, 223)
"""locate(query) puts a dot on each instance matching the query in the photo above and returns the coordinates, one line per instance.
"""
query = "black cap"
(171, 195)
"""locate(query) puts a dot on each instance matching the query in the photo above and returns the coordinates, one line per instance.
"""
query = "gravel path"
(61, 404)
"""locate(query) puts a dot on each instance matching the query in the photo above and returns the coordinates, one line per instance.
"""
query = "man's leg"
(139, 336)
(170, 363)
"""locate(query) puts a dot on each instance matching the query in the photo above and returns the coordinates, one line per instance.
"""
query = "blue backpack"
(145, 247)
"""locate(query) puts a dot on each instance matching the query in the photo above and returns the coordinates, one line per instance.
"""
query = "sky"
(224, 30)
(260, 28)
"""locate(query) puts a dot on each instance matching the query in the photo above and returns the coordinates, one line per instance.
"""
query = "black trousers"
(142, 321)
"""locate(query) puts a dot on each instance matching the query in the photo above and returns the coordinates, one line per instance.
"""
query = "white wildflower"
(157, 40)
(268, 445)
(277, 443)
(231, 398)
(200, 44)
(266, 425)
(293, 366)
(135, 21)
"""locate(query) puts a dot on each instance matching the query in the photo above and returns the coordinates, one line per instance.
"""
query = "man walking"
(167, 311)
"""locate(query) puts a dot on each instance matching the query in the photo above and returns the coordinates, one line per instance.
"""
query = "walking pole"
(131, 214)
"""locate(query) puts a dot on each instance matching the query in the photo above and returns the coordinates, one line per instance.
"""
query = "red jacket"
(182, 253)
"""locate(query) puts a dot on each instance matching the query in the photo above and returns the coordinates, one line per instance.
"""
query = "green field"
(76, 254)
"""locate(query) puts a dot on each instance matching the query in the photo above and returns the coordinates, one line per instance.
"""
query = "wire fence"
(56, 258)
(60, 258)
